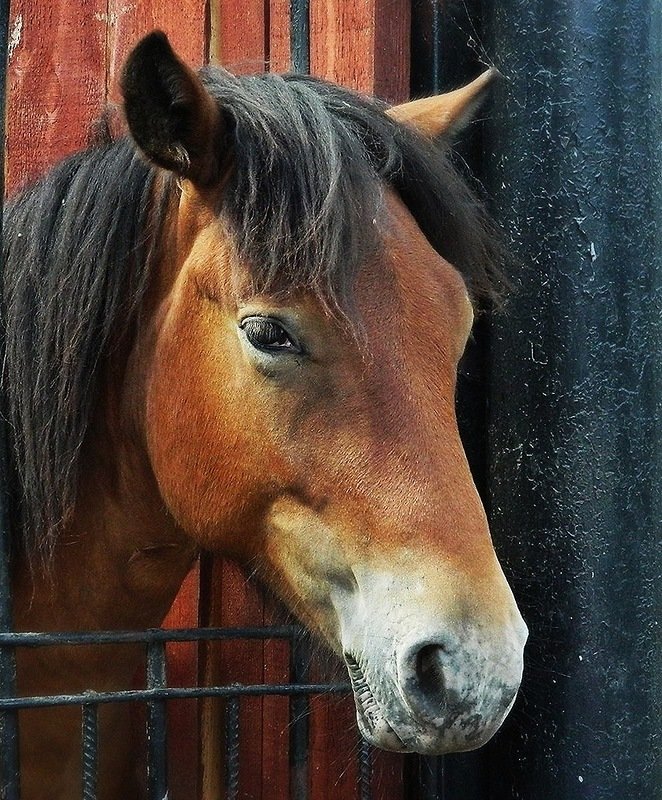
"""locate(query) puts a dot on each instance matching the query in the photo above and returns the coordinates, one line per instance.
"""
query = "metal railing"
(156, 695)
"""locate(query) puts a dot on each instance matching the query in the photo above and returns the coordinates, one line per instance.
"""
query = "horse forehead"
(408, 276)
(424, 285)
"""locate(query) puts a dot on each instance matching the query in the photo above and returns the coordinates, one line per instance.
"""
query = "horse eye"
(268, 334)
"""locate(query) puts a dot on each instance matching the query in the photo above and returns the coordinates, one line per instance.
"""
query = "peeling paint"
(113, 17)
(576, 387)
(15, 35)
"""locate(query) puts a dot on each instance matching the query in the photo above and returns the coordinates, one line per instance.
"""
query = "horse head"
(298, 377)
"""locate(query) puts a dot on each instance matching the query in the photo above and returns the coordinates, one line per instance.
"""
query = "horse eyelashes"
(267, 334)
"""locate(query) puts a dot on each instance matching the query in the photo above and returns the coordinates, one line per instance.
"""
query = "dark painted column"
(576, 397)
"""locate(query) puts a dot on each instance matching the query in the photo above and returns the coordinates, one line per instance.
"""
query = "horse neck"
(117, 565)
(121, 558)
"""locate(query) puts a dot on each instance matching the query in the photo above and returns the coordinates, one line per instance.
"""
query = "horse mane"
(304, 201)
(75, 272)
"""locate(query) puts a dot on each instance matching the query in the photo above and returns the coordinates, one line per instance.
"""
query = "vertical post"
(9, 777)
(157, 748)
(90, 747)
(232, 744)
(365, 770)
(299, 710)
(300, 35)
(577, 387)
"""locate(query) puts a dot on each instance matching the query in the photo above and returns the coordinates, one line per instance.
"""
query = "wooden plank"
(388, 776)
(182, 670)
(239, 38)
(362, 44)
(334, 742)
(392, 64)
(275, 766)
(334, 737)
(55, 81)
(233, 602)
(185, 25)
(211, 709)
(280, 55)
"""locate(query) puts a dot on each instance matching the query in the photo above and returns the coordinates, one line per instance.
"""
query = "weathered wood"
(362, 44)
(280, 56)
(275, 766)
(185, 25)
(334, 744)
(55, 83)
(238, 36)
(388, 776)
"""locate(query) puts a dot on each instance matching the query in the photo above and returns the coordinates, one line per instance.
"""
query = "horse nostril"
(429, 671)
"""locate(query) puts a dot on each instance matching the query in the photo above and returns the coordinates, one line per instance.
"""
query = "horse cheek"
(203, 438)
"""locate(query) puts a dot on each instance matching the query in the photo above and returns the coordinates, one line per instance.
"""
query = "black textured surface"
(576, 445)
(300, 35)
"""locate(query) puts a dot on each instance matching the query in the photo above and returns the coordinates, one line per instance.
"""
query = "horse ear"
(446, 114)
(171, 116)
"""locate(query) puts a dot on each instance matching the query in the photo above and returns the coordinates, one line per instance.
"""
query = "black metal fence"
(157, 693)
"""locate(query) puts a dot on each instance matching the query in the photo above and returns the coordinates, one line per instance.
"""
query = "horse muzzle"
(432, 689)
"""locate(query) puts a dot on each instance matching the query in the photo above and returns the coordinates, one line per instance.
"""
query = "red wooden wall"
(65, 57)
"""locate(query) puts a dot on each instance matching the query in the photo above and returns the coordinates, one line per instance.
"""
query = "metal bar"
(300, 35)
(299, 710)
(232, 749)
(172, 693)
(577, 448)
(90, 759)
(157, 751)
(365, 770)
(30, 639)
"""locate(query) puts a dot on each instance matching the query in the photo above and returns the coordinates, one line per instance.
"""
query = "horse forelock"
(305, 198)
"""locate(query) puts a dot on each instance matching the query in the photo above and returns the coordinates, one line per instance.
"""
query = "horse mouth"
(371, 719)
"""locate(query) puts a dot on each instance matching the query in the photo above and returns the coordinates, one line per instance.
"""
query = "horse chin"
(370, 716)
(377, 732)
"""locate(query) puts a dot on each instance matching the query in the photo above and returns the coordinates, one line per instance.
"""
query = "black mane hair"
(75, 271)
(304, 201)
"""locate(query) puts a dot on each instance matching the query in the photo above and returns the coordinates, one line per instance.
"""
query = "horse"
(237, 330)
